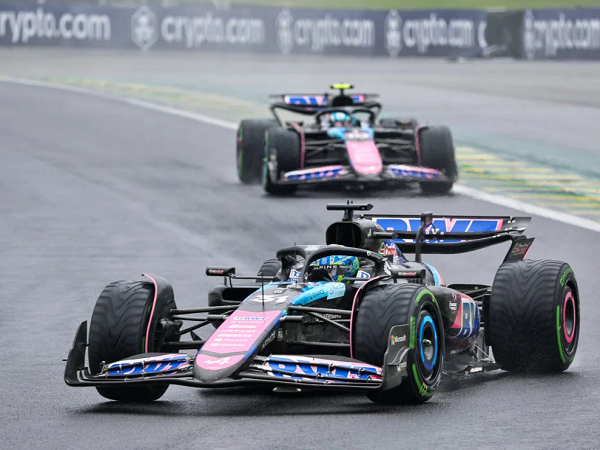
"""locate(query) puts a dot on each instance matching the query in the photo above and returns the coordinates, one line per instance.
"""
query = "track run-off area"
(130, 169)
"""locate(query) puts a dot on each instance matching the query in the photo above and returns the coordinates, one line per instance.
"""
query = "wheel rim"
(569, 317)
(428, 346)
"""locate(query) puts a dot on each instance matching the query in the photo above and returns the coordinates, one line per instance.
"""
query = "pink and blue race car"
(344, 143)
(353, 314)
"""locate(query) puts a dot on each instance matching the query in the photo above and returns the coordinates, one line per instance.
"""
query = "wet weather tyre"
(270, 268)
(282, 152)
(437, 152)
(385, 306)
(250, 150)
(534, 316)
(118, 331)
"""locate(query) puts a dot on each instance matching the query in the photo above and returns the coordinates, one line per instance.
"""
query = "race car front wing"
(339, 173)
(276, 370)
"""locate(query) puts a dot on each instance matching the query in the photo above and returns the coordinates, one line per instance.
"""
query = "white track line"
(459, 189)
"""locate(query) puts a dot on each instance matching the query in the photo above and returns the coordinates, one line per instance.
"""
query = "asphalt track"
(92, 190)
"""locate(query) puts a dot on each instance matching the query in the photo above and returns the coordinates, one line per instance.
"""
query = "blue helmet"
(340, 267)
(340, 119)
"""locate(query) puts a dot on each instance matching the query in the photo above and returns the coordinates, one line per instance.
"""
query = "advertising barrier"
(561, 33)
(550, 33)
(267, 30)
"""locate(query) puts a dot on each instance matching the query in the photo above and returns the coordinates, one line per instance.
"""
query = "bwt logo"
(144, 28)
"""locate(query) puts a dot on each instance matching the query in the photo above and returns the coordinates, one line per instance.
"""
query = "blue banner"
(562, 33)
(547, 33)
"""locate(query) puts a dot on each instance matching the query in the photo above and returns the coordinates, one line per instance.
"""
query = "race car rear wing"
(319, 100)
(429, 234)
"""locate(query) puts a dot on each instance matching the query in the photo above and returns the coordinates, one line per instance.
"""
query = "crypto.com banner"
(63, 24)
(261, 30)
(562, 33)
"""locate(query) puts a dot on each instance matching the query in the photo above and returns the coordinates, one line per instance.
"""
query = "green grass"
(418, 4)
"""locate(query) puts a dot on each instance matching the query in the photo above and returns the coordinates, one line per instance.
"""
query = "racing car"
(353, 314)
(344, 143)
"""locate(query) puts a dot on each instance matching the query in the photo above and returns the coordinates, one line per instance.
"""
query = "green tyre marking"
(558, 328)
(564, 276)
(422, 387)
(422, 293)
(412, 333)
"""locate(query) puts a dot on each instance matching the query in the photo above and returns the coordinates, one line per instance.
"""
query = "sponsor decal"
(144, 28)
(357, 134)
(422, 33)
(267, 298)
(363, 274)
(397, 339)
(300, 369)
(269, 339)
(332, 316)
(548, 33)
(278, 291)
(40, 25)
(249, 318)
(393, 33)
(295, 274)
(318, 34)
(285, 34)
(148, 366)
(520, 249)
(221, 361)
(336, 290)
(439, 225)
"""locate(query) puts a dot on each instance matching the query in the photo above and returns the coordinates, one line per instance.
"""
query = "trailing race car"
(345, 143)
(354, 315)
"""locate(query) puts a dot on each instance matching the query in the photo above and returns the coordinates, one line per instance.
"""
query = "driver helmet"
(339, 267)
(340, 119)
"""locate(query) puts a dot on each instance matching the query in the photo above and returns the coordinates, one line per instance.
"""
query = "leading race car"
(344, 143)
(353, 314)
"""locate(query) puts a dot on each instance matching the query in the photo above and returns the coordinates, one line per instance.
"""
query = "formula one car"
(345, 143)
(351, 315)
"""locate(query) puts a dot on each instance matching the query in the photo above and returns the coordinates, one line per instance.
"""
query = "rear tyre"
(534, 316)
(120, 322)
(282, 151)
(437, 152)
(385, 306)
(250, 150)
(270, 268)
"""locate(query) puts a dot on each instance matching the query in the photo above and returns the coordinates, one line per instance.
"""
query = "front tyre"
(534, 316)
(249, 149)
(385, 306)
(282, 154)
(437, 152)
(124, 315)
